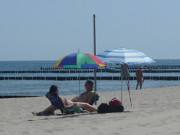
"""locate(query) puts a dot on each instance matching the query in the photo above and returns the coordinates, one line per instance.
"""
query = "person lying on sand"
(84, 99)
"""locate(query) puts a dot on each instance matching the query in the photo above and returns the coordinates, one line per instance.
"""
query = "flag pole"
(79, 77)
(121, 83)
(94, 27)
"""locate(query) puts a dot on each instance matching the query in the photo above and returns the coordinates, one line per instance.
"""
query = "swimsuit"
(71, 103)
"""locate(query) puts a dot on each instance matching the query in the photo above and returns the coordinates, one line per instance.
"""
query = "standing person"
(140, 78)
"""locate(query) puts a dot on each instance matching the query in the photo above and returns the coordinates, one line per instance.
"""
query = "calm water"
(39, 88)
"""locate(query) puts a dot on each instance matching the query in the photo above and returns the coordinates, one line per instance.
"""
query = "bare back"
(139, 74)
(85, 97)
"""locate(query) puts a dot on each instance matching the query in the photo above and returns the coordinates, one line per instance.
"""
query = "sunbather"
(85, 98)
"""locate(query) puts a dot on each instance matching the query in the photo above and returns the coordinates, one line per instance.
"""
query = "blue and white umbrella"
(124, 56)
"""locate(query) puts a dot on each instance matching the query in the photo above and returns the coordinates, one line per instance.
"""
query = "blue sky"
(48, 30)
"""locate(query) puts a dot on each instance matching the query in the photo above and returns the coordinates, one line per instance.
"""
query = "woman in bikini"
(140, 78)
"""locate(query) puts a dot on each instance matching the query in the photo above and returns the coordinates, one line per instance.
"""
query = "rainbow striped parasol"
(79, 60)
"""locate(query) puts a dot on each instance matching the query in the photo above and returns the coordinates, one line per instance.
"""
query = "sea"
(72, 87)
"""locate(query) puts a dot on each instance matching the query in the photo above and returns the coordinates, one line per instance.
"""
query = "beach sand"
(154, 112)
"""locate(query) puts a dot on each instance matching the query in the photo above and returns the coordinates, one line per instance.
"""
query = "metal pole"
(79, 83)
(94, 26)
(121, 86)
(79, 77)
(94, 22)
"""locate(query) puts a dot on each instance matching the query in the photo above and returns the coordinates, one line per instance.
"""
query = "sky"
(48, 30)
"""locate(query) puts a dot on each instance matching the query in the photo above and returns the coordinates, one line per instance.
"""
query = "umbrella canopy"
(79, 60)
(124, 56)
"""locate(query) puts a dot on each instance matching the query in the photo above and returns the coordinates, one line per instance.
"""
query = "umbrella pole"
(95, 78)
(121, 88)
(94, 27)
(79, 81)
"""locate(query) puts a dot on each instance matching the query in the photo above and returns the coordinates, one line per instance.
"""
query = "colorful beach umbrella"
(124, 56)
(79, 60)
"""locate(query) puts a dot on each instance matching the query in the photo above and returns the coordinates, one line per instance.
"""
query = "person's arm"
(75, 99)
(142, 76)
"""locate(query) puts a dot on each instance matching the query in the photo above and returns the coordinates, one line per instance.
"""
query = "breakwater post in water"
(92, 78)
(98, 70)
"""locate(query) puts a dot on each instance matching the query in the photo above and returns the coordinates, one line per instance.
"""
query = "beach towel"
(95, 98)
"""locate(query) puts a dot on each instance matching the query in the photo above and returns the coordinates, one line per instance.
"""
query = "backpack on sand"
(115, 101)
(116, 108)
(115, 105)
(103, 108)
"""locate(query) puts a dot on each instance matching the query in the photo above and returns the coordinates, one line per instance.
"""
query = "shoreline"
(1, 97)
(9, 96)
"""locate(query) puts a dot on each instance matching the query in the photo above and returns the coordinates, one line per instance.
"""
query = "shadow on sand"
(63, 116)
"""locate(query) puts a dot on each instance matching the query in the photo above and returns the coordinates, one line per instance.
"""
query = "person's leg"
(87, 107)
(48, 110)
(141, 82)
(128, 84)
(137, 84)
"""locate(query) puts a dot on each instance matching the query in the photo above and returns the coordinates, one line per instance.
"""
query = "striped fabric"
(123, 55)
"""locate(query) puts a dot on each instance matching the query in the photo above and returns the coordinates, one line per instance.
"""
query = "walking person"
(140, 78)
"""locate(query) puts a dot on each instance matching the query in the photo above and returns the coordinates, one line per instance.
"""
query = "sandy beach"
(154, 111)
